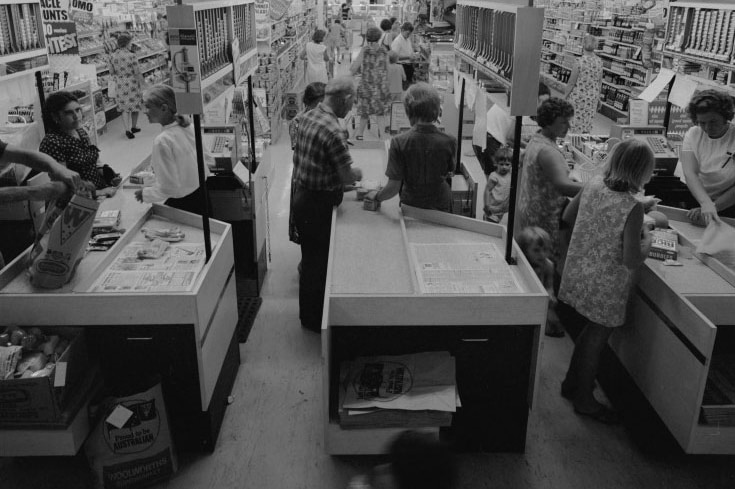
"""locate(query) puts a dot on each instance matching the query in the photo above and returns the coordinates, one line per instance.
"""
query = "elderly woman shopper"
(126, 73)
(316, 55)
(545, 183)
(373, 93)
(583, 87)
(707, 156)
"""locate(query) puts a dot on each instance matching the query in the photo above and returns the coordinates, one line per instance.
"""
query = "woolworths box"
(663, 244)
(43, 400)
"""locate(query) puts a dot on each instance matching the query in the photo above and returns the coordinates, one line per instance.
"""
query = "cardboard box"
(663, 245)
(42, 400)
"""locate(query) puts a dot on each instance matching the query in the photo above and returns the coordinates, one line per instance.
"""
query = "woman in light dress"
(316, 55)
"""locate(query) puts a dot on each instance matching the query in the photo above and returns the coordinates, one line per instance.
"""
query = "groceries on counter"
(29, 353)
(172, 235)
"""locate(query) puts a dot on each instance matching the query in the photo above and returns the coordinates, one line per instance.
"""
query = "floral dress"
(540, 204)
(78, 154)
(373, 93)
(595, 280)
(586, 93)
(126, 73)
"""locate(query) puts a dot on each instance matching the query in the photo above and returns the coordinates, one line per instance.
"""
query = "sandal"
(604, 415)
(129, 134)
(359, 138)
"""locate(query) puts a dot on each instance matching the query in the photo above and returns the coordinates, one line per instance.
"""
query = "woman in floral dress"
(373, 92)
(583, 87)
(545, 183)
(126, 74)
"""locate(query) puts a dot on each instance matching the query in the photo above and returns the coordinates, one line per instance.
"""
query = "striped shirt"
(320, 150)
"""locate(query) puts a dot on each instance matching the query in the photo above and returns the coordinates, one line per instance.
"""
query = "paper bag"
(112, 89)
(138, 453)
(718, 241)
(55, 255)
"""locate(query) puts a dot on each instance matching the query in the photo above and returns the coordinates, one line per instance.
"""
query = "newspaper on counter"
(176, 270)
(463, 268)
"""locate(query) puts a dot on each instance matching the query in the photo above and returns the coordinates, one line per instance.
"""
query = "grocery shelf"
(9, 58)
(613, 108)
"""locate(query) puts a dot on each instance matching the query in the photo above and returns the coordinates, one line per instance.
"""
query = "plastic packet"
(9, 356)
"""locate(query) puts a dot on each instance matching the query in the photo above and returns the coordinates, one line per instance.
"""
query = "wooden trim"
(409, 258)
(453, 220)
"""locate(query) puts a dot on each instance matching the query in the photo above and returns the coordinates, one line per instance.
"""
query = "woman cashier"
(707, 156)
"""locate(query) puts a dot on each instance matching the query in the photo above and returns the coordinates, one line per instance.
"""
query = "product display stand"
(508, 53)
(374, 306)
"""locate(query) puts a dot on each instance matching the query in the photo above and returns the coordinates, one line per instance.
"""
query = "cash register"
(223, 143)
(655, 137)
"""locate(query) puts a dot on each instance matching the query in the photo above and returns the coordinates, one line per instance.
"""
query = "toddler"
(536, 245)
(609, 242)
(417, 460)
(497, 190)
(396, 77)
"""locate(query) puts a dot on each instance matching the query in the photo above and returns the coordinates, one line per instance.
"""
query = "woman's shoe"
(129, 134)
(134, 129)
(359, 138)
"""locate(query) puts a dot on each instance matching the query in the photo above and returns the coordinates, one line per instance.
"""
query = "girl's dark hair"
(715, 101)
(422, 103)
(385, 24)
(313, 94)
(318, 35)
(420, 460)
(56, 102)
(552, 108)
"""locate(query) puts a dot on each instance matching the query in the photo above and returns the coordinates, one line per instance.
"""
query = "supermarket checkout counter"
(492, 327)
(187, 335)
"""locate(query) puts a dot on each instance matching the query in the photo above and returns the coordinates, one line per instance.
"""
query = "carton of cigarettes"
(663, 244)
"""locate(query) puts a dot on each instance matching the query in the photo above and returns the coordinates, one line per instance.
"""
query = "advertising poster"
(59, 29)
(81, 11)
(186, 77)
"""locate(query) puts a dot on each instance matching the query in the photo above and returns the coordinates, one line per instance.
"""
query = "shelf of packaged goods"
(153, 53)
(483, 69)
(622, 88)
(102, 70)
(553, 40)
(572, 52)
(608, 39)
(613, 108)
(625, 60)
(699, 59)
(9, 58)
(84, 35)
(160, 65)
(24, 72)
(622, 28)
(557, 85)
(89, 52)
(217, 75)
(296, 42)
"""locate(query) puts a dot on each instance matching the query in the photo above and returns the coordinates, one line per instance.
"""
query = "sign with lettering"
(58, 27)
(81, 11)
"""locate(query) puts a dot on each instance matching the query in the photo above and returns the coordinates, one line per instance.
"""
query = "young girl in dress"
(174, 156)
(535, 243)
(497, 190)
(608, 244)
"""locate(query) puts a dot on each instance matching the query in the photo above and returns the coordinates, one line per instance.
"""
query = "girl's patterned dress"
(373, 93)
(586, 93)
(595, 281)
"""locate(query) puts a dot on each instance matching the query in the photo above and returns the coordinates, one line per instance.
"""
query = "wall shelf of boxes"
(22, 45)
(700, 42)
(280, 71)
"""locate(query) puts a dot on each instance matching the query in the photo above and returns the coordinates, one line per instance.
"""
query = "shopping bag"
(61, 241)
(130, 446)
(718, 241)
(112, 89)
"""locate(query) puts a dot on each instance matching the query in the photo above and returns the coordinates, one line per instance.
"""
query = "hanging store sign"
(59, 29)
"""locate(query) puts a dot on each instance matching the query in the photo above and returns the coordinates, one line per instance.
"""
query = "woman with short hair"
(316, 55)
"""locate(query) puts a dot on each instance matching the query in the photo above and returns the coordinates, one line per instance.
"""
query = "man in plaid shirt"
(322, 167)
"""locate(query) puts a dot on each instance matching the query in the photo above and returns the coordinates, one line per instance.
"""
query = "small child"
(417, 460)
(396, 77)
(497, 190)
(536, 245)
(609, 242)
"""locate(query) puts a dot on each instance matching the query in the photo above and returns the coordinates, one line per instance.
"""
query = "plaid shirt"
(320, 150)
